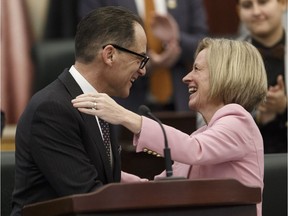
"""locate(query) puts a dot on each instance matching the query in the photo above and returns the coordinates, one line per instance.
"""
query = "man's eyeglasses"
(144, 60)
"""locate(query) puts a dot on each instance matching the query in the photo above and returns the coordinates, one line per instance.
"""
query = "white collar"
(82, 82)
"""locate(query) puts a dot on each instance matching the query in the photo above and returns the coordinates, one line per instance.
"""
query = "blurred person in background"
(265, 30)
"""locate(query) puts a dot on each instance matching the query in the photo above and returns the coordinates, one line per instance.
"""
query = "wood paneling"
(222, 17)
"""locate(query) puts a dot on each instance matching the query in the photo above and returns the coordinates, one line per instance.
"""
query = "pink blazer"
(230, 146)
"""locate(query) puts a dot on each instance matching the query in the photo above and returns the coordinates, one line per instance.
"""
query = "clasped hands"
(275, 104)
(166, 29)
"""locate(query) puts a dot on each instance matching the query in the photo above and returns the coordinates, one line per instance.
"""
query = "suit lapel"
(116, 149)
(90, 121)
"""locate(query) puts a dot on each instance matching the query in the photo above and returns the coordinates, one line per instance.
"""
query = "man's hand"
(167, 58)
(165, 27)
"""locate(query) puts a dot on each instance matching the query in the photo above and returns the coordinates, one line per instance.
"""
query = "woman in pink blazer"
(226, 83)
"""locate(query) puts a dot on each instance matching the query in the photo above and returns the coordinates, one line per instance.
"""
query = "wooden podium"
(167, 197)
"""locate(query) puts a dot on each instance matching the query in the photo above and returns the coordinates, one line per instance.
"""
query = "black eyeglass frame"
(143, 62)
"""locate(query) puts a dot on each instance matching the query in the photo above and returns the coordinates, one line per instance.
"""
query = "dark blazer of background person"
(61, 20)
(275, 132)
(191, 19)
(269, 37)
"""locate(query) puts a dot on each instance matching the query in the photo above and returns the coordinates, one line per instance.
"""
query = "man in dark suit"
(190, 17)
(60, 151)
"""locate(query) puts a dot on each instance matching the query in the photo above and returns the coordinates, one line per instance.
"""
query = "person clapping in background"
(264, 23)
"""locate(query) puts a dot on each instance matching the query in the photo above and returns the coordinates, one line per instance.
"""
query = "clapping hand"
(165, 28)
(276, 102)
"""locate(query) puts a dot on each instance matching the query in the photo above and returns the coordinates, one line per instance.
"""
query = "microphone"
(144, 110)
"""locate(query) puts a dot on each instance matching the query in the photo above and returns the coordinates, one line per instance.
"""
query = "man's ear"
(108, 54)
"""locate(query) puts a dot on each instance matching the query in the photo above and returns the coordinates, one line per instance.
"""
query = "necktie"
(106, 138)
(160, 78)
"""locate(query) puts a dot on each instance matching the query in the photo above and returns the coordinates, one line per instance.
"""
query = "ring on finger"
(94, 106)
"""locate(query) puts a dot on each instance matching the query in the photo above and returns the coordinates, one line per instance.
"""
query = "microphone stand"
(167, 154)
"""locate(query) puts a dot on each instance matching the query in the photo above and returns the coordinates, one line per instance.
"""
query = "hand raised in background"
(276, 102)
(168, 57)
(165, 27)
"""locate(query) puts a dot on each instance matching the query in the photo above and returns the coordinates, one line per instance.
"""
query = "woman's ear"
(108, 54)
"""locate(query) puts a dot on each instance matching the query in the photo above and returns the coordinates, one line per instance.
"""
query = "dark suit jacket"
(59, 151)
